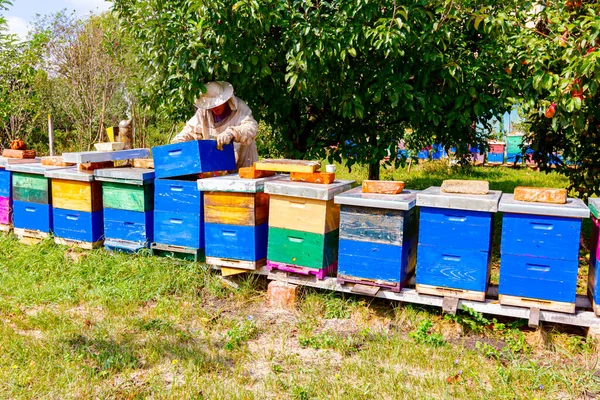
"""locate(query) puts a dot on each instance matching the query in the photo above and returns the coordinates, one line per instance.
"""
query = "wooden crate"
(32, 216)
(179, 229)
(76, 226)
(76, 195)
(246, 209)
(192, 157)
(122, 196)
(31, 188)
(304, 214)
(180, 196)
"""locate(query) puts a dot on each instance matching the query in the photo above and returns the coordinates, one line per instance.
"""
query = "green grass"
(101, 325)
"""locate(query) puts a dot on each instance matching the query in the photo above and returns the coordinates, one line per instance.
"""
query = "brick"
(9, 153)
(56, 161)
(252, 173)
(95, 165)
(541, 195)
(382, 187)
(214, 174)
(465, 186)
(313, 177)
(282, 294)
(143, 163)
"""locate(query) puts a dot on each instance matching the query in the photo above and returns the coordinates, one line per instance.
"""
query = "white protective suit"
(239, 122)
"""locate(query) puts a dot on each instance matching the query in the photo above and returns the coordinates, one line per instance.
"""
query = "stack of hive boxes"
(128, 197)
(178, 203)
(304, 226)
(594, 205)
(496, 153)
(77, 207)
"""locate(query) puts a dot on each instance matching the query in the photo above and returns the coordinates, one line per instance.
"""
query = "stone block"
(541, 195)
(313, 177)
(282, 294)
(382, 187)
(465, 186)
(55, 161)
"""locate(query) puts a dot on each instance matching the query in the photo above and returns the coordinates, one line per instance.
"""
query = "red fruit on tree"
(550, 111)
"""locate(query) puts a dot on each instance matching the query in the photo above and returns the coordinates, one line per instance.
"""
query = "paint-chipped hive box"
(455, 241)
(304, 226)
(539, 258)
(236, 215)
(378, 238)
(128, 196)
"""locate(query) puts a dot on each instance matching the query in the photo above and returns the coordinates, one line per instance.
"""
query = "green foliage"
(474, 321)
(339, 79)
(240, 334)
(426, 335)
(554, 59)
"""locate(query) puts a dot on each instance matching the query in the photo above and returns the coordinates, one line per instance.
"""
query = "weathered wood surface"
(177, 252)
(34, 168)
(325, 178)
(123, 196)
(233, 183)
(28, 154)
(319, 274)
(304, 214)
(285, 187)
(76, 195)
(100, 156)
(143, 163)
(235, 242)
(252, 173)
(55, 161)
(305, 249)
(284, 165)
(355, 197)
(453, 293)
(382, 187)
(460, 229)
(540, 195)
(227, 263)
(92, 166)
(192, 157)
(31, 188)
(465, 186)
(128, 226)
(71, 174)
(29, 233)
(77, 226)
(134, 176)
(78, 243)
(248, 209)
(536, 303)
(433, 197)
(124, 246)
(373, 225)
(574, 208)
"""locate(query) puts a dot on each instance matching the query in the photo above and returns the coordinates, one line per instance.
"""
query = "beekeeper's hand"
(223, 139)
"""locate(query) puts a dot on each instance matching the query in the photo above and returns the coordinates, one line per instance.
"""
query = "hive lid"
(574, 208)
(70, 174)
(355, 197)
(434, 197)
(594, 205)
(233, 183)
(33, 168)
(285, 187)
(125, 175)
(99, 156)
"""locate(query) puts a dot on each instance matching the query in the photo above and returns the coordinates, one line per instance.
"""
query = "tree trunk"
(374, 172)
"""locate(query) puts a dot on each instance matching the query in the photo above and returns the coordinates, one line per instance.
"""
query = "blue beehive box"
(540, 253)
(378, 238)
(193, 157)
(455, 240)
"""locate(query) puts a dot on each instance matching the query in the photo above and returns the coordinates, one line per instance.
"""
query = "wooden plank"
(6, 228)
(536, 303)
(28, 154)
(56, 161)
(92, 166)
(132, 176)
(233, 209)
(28, 233)
(236, 264)
(252, 173)
(144, 163)
(123, 196)
(450, 305)
(325, 178)
(100, 156)
(382, 187)
(303, 214)
(284, 165)
(365, 289)
(77, 243)
(76, 195)
(226, 271)
(451, 293)
(319, 274)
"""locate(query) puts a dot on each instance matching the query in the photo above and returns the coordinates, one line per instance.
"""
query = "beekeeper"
(222, 116)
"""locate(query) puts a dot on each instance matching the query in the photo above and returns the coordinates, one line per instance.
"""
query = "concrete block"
(382, 187)
(541, 195)
(282, 294)
(465, 186)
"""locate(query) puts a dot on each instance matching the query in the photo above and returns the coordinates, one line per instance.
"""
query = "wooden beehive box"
(192, 157)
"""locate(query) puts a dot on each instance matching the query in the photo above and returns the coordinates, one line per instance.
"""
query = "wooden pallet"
(296, 269)
(449, 292)
(595, 307)
(237, 264)
(78, 243)
(351, 280)
(177, 252)
(5, 228)
(28, 236)
(537, 303)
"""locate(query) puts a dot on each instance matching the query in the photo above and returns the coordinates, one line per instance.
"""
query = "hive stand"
(378, 239)
(455, 239)
(304, 226)
(128, 197)
(32, 201)
(76, 208)
(539, 258)
(236, 214)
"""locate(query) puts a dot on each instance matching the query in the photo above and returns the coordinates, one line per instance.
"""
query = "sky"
(21, 14)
